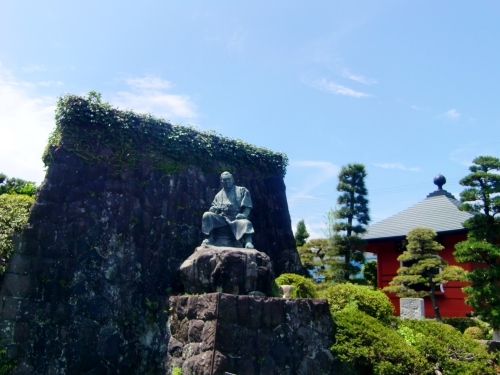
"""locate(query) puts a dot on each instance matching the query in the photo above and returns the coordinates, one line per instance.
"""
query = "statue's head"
(226, 180)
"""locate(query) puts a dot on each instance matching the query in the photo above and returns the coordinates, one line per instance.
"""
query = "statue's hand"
(240, 216)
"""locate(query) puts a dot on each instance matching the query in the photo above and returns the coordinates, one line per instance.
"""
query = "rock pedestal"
(227, 269)
(216, 334)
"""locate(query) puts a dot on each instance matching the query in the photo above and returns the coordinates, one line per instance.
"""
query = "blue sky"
(408, 88)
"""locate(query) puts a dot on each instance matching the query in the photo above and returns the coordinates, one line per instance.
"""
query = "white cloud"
(50, 83)
(149, 83)
(311, 192)
(34, 68)
(318, 173)
(147, 95)
(398, 166)
(358, 78)
(452, 114)
(26, 120)
(466, 153)
(417, 108)
(236, 42)
(334, 88)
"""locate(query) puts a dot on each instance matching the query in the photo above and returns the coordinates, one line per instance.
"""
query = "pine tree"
(301, 234)
(348, 221)
(483, 239)
(370, 273)
(424, 270)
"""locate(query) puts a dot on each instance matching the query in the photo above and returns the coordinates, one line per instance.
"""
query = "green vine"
(97, 132)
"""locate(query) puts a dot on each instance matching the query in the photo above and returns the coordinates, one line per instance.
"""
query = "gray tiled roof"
(439, 211)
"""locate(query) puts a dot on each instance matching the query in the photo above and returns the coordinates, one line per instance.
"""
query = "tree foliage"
(14, 212)
(318, 256)
(348, 221)
(16, 186)
(370, 273)
(481, 196)
(301, 234)
(424, 270)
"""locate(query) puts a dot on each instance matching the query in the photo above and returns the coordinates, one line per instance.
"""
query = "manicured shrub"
(455, 353)
(366, 346)
(372, 302)
(302, 287)
(475, 333)
(463, 323)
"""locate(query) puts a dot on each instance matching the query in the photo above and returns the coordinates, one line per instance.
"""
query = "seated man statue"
(230, 208)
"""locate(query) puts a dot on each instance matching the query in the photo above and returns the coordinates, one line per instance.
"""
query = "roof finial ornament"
(439, 180)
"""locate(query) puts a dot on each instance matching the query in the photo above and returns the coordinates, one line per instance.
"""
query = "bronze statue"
(230, 209)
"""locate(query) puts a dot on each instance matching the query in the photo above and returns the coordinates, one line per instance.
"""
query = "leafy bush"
(366, 346)
(6, 364)
(372, 302)
(463, 323)
(14, 212)
(302, 287)
(455, 353)
(176, 370)
(475, 333)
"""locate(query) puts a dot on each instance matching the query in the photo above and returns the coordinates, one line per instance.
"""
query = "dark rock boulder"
(227, 269)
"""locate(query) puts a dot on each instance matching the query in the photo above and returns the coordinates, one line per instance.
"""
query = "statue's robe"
(236, 200)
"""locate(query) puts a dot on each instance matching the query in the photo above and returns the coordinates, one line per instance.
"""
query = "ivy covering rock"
(97, 132)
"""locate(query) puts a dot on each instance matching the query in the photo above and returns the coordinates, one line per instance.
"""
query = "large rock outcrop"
(119, 210)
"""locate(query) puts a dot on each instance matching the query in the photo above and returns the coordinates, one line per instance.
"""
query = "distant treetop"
(16, 186)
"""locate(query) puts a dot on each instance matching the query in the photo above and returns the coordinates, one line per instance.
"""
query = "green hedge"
(372, 302)
(302, 287)
(365, 346)
(97, 132)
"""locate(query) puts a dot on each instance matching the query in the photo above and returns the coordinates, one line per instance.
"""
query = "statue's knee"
(208, 214)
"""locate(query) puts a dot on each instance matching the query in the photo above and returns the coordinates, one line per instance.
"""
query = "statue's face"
(226, 181)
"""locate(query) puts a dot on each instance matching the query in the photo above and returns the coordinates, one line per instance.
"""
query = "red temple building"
(440, 212)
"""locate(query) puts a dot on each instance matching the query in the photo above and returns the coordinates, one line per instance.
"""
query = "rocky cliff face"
(86, 289)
